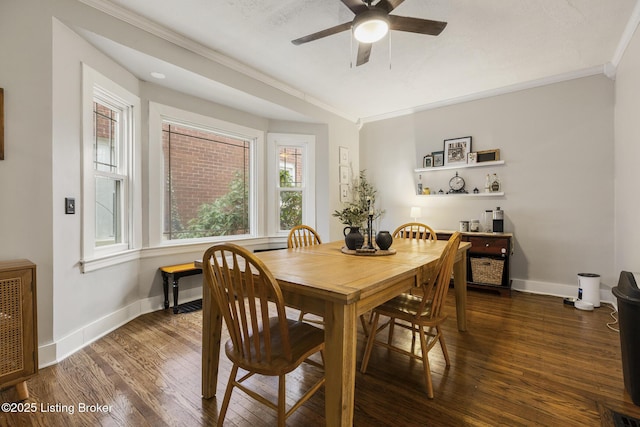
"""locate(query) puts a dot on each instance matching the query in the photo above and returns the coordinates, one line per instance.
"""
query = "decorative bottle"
(419, 184)
(495, 183)
(487, 184)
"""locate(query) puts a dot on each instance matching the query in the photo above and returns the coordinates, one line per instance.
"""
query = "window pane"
(105, 125)
(290, 166)
(108, 212)
(206, 183)
(290, 209)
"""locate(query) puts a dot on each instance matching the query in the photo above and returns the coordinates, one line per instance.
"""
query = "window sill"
(173, 248)
(93, 264)
(251, 243)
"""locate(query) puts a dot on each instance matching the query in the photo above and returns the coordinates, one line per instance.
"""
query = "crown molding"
(627, 35)
(164, 33)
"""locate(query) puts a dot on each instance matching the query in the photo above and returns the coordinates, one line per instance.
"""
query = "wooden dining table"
(323, 280)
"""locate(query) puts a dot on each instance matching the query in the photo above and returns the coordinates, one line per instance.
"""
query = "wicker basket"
(487, 270)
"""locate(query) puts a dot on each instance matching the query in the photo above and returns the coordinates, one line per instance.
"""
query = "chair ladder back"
(242, 288)
(302, 235)
(415, 230)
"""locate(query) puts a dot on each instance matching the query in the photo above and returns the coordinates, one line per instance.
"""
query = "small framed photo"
(344, 193)
(427, 161)
(472, 158)
(344, 174)
(456, 150)
(344, 155)
(489, 155)
(438, 158)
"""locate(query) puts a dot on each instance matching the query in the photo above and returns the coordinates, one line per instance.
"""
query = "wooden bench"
(176, 272)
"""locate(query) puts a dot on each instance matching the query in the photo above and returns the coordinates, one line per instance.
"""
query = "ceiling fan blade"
(389, 5)
(323, 33)
(364, 50)
(416, 25)
(356, 6)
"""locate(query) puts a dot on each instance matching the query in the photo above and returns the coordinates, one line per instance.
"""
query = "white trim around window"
(96, 86)
(307, 145)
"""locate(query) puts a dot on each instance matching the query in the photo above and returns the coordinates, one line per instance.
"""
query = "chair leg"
(370, 341)
(364, 325)
(281, 401)
(425, 363)
(301, 316)
(443, 346)
(392, 323)
(227, 395)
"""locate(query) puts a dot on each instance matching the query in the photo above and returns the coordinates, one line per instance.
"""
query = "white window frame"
(95, 86)
(159, 113)
(307, 144)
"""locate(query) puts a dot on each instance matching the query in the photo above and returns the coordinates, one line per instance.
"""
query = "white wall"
(557, 143)
(25, 174)
(627, 153)
(41, 75)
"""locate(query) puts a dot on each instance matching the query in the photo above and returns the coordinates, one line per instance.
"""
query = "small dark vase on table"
(354, 239)
(384, 240)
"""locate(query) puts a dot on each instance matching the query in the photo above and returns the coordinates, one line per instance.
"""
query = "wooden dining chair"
(423, 315)
(299, 236)
(415, 230)
(244, 290)
(302, 235)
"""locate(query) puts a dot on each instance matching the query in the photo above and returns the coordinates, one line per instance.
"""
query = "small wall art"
(427, 161)
(344, 174)
(343, 152)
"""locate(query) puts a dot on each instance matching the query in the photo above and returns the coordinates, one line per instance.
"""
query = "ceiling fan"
(372, 23)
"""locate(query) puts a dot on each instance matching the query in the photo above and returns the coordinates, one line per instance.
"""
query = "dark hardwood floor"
(525, 360)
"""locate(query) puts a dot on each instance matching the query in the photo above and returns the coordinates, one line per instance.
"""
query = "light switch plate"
(69, 205)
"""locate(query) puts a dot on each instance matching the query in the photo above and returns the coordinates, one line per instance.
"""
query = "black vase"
(384, 240)
(354, 240)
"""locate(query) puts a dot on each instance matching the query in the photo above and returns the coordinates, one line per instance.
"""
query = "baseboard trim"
(50, 354)
(559, 290)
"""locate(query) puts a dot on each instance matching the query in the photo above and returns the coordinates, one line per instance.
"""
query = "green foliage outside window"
(227, 215)
(290, 203)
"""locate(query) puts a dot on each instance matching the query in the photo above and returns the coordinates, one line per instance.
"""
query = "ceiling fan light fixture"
(370, 26)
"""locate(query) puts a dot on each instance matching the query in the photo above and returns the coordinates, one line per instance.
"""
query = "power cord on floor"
(613, 314)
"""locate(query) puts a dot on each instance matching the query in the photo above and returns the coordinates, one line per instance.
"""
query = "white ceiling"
(487, 45)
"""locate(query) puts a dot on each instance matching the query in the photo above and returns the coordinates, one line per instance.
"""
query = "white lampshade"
(416, 212)
(371, 25)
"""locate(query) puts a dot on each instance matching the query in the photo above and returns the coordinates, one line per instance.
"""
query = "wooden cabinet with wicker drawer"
(18, 325)
(488, 260)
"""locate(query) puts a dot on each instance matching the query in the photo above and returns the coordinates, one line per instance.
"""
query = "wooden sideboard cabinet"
(488, 260)
(18, 325)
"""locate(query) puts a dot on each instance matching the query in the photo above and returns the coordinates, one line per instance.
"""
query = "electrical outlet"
(69, 205)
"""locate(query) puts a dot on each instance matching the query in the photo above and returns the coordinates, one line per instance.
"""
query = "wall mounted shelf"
(461, 166)
(494, 194)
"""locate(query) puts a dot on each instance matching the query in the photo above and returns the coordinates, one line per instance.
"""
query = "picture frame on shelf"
(438, 158)
(472, 158)
(489, 155)
(456, 150)
(427, 161)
